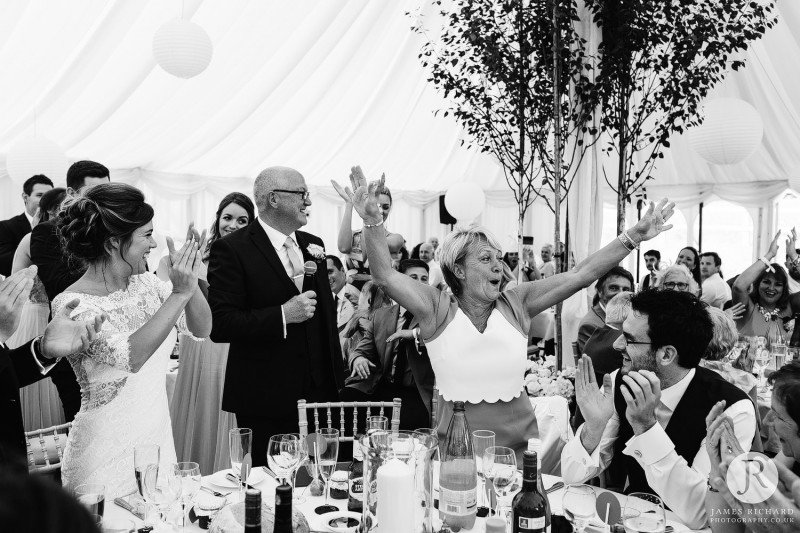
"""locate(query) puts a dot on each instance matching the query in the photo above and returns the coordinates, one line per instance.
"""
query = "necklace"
(768, 315)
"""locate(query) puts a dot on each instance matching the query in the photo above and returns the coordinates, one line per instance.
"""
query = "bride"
(123, 372)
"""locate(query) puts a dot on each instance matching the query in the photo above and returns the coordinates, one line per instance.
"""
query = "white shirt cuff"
(649, 447)
(42, 369)
(283, 318)
(582, 456)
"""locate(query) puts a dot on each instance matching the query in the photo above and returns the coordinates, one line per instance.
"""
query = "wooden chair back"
(46, 448)
(366, 408)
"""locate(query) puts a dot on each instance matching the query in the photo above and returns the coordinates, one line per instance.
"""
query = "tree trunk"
(557, 172)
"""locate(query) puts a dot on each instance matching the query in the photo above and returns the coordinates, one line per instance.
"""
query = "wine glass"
(93, 497)
(189, 475)
(162, 494)
(326, 452)
(579, 505)
(643, 512)
(482, 439)
(241, 444)
(283, 453)
(143, 456)
(500, 467)
(302, 459)
(377, 423)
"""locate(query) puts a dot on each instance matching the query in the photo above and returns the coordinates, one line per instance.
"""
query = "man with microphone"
(270, 299)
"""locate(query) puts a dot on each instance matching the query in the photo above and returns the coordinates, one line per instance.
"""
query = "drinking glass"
(643, 513)
(778, 355)
(482, 439)
(144, 456)
(163, 494)
(326, 452)
(302, 458)
(500, 467)
(377, 423)
(189, 476)
(241, 444)
(579, 505)
(93, 497)
(283, 453)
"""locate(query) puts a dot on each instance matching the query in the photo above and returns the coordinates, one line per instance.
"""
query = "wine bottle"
(252, 511)
(530, 509)
(795, 340)
(458, 474)
(355, 479)
(283, 509)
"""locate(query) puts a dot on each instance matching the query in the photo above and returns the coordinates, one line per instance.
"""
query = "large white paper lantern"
(182, 48)
(464, 201)
(36, 155)
(731, 132)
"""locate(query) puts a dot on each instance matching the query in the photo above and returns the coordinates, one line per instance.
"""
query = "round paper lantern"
(730, 133)
(36, 155)
(182, 48)
(464, 201)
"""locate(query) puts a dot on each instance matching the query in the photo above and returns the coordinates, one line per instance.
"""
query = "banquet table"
(317, 522)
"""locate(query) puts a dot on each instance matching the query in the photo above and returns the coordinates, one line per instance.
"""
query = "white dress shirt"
(715, 291)
(277, 239)
(682, 487)
(29, 217)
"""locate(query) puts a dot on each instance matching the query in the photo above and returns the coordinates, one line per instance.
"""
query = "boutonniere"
(316, 251)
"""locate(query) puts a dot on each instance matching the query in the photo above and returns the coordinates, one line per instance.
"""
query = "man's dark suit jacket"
(374, 347)
(594, 319)
(17, 369)
(267, 373)
(11, 232)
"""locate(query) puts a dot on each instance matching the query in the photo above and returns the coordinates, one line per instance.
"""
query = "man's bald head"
(274, 178)
(279, 194)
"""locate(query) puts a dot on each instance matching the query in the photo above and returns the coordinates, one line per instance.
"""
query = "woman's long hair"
(243, 201)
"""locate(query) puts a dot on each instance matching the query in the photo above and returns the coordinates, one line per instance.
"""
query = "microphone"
(309, 270)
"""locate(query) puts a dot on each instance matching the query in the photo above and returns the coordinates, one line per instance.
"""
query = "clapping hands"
(184, 264)
(14, 292)
(363, 195)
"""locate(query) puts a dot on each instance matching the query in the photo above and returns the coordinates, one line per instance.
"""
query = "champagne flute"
(189, 476)
(241, 443)
(643, 513)
(579, 505)
(327, 452)
(500, 467)
(143, 456)
(164, 494)
(283, 453)
(481, 440)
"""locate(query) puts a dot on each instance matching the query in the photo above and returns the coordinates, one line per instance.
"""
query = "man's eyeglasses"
(627, 341)
(305, 194)
(673, 285)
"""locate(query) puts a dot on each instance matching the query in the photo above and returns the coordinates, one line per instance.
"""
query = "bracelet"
(764, 260)
(627, 242)
(710, 487)
(374, 225)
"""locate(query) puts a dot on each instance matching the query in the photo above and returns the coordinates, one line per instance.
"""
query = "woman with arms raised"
(477, 338)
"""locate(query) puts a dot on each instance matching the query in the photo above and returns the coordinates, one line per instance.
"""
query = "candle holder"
(416, 451)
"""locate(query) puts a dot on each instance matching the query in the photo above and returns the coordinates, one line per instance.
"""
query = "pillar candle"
(395, 497)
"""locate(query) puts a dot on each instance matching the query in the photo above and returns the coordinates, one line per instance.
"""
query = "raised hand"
(65, 336)
(791, 245)
(714, 429)
(300, 308)
(14, 292)
(363, 195)
(654, 221)
(642, 394)
(184, 265)
(597, 406)
(773, 246)
(736, 311)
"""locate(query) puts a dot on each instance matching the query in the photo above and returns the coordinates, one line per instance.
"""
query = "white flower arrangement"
(317, 251)
(542, 379)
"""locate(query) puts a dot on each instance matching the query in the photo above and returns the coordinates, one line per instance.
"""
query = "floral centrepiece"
(542, 379)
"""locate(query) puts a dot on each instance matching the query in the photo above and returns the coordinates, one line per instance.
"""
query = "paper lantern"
(182, 48)
(731, 132)
(36, 155)
(464, 201)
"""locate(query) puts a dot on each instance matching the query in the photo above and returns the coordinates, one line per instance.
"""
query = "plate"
(335, 522)
(257, 475)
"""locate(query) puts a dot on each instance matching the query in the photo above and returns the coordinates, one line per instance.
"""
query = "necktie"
(400, 356)
(295, 263)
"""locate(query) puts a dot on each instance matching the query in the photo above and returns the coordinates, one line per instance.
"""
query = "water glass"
(283, 454)
(643, 513)
(377, 423)
(579, 505)
(482, 439)
(241, 445)
(144, 456)
(326, 451)
(778, 355)
(162, 494)
(500, 467)
(93, 497)
(189, 475)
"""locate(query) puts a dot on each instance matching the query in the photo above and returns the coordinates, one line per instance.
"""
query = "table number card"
(608, 508)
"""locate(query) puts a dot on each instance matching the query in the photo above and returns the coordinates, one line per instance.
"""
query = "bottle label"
(358, 453)
(458, 502)
(531, 524)
(357, 488)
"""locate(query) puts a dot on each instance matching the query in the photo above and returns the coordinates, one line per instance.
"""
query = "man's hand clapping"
(14, 292)
(642, 394)
(300, 308)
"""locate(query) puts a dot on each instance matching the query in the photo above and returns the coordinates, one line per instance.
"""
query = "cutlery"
(270, 473)
(215, 493)
(230, 476)
(555, 487)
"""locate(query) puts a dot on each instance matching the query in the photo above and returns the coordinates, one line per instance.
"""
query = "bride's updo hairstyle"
(88, 222)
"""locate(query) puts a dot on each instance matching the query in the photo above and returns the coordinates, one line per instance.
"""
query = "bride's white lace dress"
(119, 409)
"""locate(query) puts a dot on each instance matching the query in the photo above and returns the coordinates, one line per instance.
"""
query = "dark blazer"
(267, 373)
(374, 347)
(594, 319)
(55, 271)
(11, 232)
(17, 369)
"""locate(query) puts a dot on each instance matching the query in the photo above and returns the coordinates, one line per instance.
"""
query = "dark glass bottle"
(283, 509)
(530, 509)
(252, 511)
(458, 474)
(795, 340)
(355, 479)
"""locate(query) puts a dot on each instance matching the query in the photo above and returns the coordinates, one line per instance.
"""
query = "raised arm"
(345, 242)
(417, 297)
(741, 287)
(539, 295)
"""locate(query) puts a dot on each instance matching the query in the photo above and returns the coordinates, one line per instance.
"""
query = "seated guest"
(371, 299)
(676, 278)
(338, 281)
(716, 292)
(609, 285)
(764, 290)
(716, 356)
(651, 414)
(651, 261)
(477, 338)
(600, 346)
